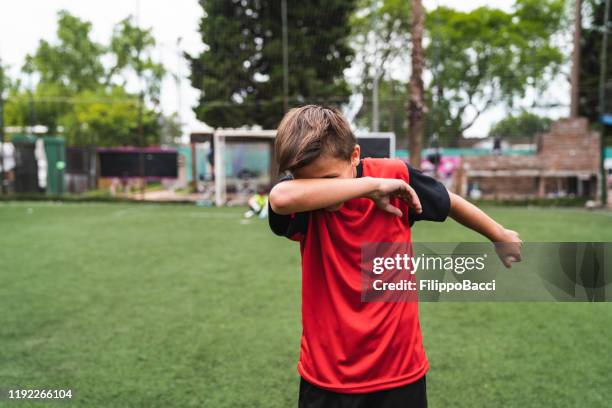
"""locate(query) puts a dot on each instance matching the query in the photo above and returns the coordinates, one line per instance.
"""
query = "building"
(565, 164)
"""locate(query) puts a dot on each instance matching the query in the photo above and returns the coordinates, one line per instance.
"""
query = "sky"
(24, 22)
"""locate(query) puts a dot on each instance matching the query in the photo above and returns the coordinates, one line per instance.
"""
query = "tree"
(74, 62)
(416, 107)
(590, 67)
(485, 57)
(69, 87)
(170, 129)
(393, 97)
(63, 69)
(16, 106)
(576, 54)
(380, 32)
(132, 50)
(240, 73)
(4, 84)
(5, 80)
(96, 122)
(525, 124)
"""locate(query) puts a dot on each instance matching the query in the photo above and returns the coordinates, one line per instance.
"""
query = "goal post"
(248, 168)
(376, 144)
(244, 160)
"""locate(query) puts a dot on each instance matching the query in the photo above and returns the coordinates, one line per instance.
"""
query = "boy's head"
(262, 189)
(316, 142)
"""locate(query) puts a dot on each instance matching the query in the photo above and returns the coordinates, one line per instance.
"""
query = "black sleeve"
(287, 225)
(432, 194)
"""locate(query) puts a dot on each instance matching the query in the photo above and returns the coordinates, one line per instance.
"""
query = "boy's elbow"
(455, 202)
(279, 202)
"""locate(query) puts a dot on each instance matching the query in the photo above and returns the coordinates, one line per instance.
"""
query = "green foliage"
(475, 60)
(393, 96)
(240, 74)
(486, 56)
(379, 34)
(4, 84)
(95, 121)
(74, 62)
(590, 64)
(5, 81)
(170, 129)
(16, 108)
(48, 103)
(88, 100)
(525, 124)
(132, 49)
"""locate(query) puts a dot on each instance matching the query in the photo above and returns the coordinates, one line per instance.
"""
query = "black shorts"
(413, 395)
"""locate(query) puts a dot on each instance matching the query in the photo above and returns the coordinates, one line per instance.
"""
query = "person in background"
(258, 204)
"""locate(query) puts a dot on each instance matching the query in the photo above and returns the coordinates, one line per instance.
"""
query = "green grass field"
(179, 306)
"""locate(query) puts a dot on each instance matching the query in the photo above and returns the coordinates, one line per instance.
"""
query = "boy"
(353, 353)
(258, 204)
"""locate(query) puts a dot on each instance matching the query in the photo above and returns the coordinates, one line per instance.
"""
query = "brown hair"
(310, 131)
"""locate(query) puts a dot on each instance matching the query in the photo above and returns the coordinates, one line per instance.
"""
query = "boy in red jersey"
(353, 353)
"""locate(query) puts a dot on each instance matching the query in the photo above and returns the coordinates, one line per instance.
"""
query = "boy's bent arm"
(300, 195)
(507, 242)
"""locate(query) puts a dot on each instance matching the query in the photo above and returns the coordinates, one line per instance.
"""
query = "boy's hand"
(508, 247)
(389, 188)
(507, 242)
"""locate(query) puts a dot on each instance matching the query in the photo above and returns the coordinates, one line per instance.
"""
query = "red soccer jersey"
(347, 345)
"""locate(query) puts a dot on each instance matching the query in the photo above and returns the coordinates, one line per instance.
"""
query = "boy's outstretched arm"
(302, 195)
(507, 242)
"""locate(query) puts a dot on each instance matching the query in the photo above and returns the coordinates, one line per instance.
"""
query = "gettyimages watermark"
(471, 271)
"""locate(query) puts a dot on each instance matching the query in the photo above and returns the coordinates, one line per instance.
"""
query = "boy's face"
(327, 166)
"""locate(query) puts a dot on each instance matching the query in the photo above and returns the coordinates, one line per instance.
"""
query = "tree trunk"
(416, 105)
(2, 184)
(576, 60)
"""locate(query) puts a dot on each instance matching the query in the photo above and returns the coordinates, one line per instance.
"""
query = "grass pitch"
(178, 306)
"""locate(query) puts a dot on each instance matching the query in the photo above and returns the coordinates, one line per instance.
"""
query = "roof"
(134, 149)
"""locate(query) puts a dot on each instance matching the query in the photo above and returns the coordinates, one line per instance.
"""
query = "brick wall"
(570, 149)
(501, 163)
(570, 146)
(507, 187)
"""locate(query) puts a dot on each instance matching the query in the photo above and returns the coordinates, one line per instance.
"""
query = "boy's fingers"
(514, 258)
(507, 262)
(392, 209)
(413, 198)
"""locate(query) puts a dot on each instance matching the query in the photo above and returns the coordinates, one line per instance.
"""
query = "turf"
(179, 306)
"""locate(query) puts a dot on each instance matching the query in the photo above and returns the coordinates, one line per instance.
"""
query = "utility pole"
(3, 186)
(179, 100)
(285, 57)
(575, 96)
(141, 155)
(31, 108)
(416, 105)
(603, 66)
(141, 143)
(375, 102)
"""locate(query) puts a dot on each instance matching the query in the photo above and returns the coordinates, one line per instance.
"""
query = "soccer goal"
(244, 160)
(376, 144)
